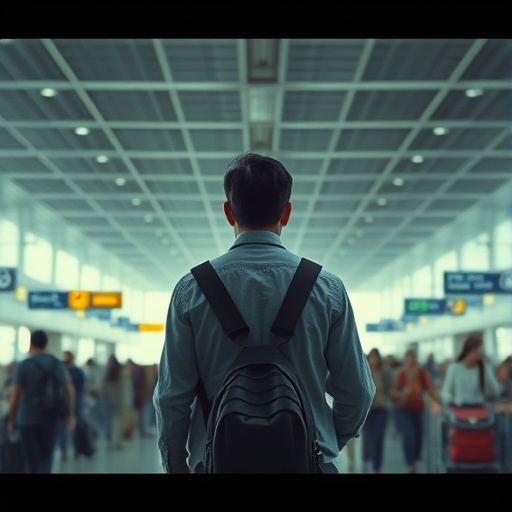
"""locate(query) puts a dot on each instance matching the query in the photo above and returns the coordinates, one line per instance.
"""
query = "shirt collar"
(257, 236)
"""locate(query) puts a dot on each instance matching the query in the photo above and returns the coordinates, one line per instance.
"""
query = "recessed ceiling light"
(148, 218)
(382, 201)
(473, 93)
(136, 201)
(439, 130)
(82, 130)
(120, 182)
(102, 159)
(417, 159)
(48, 92)
(368, 219)
(398, 182)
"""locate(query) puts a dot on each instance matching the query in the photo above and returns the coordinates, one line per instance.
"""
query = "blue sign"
(121, 321)
(48, 300)
(472, 301)
(410, 319)
(385, 326)
(456, 306)
(478, 282)
(7, 279)
(101, 314)
(424, 306)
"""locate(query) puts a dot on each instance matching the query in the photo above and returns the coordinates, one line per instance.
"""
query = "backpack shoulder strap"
(41, 367)
(232, 321)
(221, 302)
(296, 297)
(227, 312)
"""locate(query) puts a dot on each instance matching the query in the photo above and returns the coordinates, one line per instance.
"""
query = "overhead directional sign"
(106, 300)
(80, 299)
(76, 299)
(7, 279)
(151, 327)
(434, 306)
(385, 326)
(478, 282)
(121, 321)
(48, 300)
(100, 314)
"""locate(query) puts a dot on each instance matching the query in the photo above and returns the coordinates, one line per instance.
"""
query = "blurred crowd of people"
(113, 401)
(408, 390)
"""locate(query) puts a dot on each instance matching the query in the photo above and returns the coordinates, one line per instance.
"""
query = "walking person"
(94, 408)
(38, 433)
(257, 270)
(374, 429)
(65, 436)
(411, 383)
(118, 392)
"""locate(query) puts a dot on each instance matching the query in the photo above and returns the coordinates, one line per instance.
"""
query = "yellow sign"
(106, 300)
(151, 327)
(456, 306)
(79, 299)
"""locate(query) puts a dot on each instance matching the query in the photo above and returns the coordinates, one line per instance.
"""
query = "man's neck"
(32, 351)
(273, 229)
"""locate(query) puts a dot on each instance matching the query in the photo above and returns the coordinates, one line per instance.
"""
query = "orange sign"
(106, 300)
(79, 299)
(151, 327)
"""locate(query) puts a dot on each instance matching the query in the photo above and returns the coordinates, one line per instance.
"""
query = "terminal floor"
(140, 455)
(128, 475)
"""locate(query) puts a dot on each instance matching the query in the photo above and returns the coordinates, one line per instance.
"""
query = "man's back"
(325, 350)
(30, 377)
(257, 271)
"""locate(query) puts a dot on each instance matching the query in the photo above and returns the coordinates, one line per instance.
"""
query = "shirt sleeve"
(176, 388)
(351, 382)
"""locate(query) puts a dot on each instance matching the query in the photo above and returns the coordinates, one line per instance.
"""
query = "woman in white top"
(470, 380)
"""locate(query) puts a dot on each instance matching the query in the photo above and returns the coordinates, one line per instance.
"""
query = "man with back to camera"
(257, 270)
(38, 434)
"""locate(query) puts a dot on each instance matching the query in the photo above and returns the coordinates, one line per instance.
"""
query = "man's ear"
(228, 214)
(285, 217)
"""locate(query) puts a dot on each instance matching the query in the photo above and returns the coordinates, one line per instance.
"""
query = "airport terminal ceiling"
(127, 140)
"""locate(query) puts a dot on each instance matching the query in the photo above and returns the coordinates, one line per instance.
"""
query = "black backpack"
(51, 400)
(260, 420)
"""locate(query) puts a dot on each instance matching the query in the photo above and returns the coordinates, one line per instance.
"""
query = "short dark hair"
(257, 188)
(38, 338)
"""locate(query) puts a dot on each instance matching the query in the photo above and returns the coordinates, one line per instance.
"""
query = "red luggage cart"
(473, 439)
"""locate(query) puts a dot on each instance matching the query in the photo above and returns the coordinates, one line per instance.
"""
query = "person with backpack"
(320, 345)
(42, 394)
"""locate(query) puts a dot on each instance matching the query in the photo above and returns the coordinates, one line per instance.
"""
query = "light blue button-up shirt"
(257, 270)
